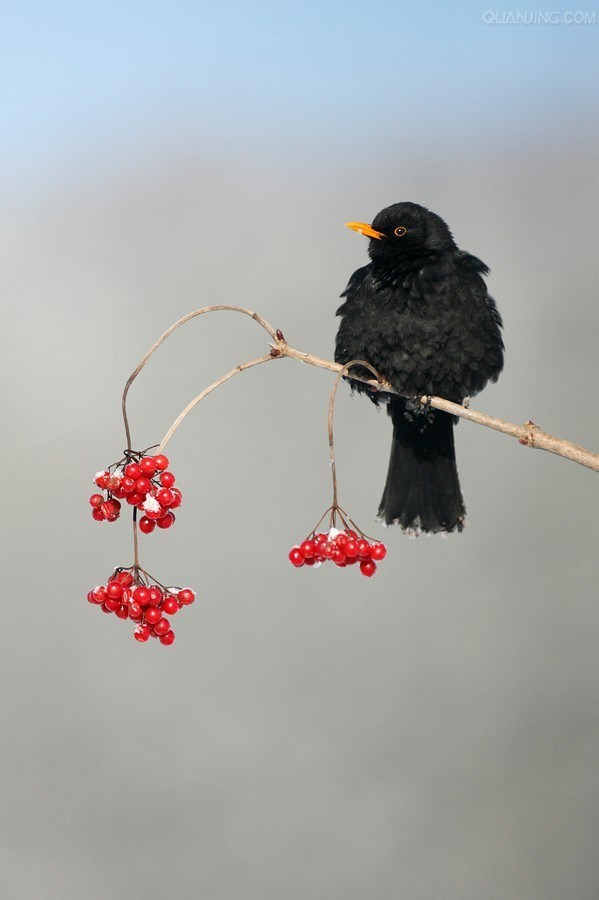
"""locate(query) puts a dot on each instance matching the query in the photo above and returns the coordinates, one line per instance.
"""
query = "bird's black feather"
(420, 313)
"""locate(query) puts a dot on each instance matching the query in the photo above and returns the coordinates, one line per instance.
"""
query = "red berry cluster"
(144, 482)
(344, 548)
(128, 597)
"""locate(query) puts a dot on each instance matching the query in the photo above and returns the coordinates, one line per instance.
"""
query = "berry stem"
(135, 542)
(198, 312)
(310, 533)
(344, 370)
(240, 368)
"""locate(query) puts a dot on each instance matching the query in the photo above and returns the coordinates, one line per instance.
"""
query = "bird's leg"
(418, 406)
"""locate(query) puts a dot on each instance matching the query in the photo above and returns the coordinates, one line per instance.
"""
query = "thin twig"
(528, 434)
(240, 368)
(135, 545)
(343, 371)
(168, 332)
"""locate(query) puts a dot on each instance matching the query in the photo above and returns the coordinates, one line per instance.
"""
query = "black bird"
(421, 315)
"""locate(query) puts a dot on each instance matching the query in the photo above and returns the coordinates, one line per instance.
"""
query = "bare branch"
(168, 332)
(240, 368)
(528, 434)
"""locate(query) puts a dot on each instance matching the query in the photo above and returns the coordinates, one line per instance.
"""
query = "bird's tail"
(422, 492)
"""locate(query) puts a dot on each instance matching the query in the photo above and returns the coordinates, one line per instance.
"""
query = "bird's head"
(405, 230)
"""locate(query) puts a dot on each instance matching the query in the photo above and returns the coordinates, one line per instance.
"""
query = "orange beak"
(366, 230)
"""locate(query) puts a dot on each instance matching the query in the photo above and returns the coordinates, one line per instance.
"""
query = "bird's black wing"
(354, 283)
(481, 322)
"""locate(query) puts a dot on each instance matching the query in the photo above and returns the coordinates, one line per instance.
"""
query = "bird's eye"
(400, 231)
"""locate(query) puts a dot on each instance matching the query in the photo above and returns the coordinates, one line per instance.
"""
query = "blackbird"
(421, 315)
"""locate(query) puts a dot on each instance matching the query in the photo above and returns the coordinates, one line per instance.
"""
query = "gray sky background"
(430, 733)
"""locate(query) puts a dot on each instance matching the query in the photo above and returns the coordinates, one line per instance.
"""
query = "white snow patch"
(151, 504)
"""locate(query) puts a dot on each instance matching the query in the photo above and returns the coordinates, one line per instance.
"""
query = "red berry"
(166, 521)
(156, 596)
(141, 633)
(310, 561)
(134, 499)
(100, 593)
(186, 596)
(141, 595)
(146, 525)
(170, 606)
(125, 578)
(364, 549)
(153, 615)
(296, 558)
(161, 462)
(368, 568)
(351, 549)
(135, 610)
(128, 485)
(100, 479)
(168, 638)
(378, 551)
(98, 515)
(341, 539)
(167, 479)
(122, 611)
(148, 466)
(111, 510)
(155, 513)
(133, 471)
(91, 598)
(162, 627)
(177, 498)
(327, 550)
(338, 557)
(111, 604)
(143, 485)
(113, 481)
(165, 497)
(96, 500)
(307, 549)
(114, 590)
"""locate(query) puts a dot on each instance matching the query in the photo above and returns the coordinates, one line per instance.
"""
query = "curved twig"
(240, 368)
(198, 312)
(529, 434)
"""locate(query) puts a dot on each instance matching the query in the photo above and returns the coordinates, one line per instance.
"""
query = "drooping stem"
(240, 368)
(342, 371)
(168, 332)
(135, 544)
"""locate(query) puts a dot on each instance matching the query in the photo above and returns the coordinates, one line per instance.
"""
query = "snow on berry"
(150, 504)
(344, 547)
(142, 481)
(130, 593)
